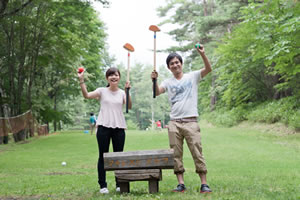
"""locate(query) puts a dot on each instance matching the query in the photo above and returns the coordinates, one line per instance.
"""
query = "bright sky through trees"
(128, 22)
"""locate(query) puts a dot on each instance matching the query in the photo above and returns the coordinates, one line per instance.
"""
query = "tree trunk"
(21, 76)
(137, 115)
(205, 7)
(213, 98)
(48, 126)
(32, 71)
(11, 64)
(59, 126)
(55, 109)
(211, 7)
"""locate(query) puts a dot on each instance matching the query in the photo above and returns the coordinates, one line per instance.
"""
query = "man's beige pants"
(190, 131)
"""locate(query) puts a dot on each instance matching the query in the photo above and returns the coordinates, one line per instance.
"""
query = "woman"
(111, 121)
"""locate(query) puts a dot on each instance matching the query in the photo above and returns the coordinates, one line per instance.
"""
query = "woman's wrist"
(81, 81)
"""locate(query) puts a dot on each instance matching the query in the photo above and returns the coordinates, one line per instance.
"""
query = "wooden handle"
(128, 67)
(154, 51)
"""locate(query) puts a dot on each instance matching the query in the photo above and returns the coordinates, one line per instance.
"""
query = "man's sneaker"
(104, 191)
(118, 189)
(180, 188)
(205, 189)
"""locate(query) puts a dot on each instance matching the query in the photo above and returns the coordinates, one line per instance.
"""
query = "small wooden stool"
(150, 175)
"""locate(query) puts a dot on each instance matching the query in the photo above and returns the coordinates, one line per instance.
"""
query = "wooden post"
(153, 176)
(153, 186)
(124, 187)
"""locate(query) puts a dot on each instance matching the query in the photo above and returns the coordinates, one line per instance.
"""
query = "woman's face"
(113, 79)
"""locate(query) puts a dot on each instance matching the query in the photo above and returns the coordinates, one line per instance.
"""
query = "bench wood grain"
(146, 159)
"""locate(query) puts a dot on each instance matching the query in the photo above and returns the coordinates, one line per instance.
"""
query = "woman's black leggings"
(104, 135)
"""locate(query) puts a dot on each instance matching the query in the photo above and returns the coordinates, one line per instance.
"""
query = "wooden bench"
(144, 165)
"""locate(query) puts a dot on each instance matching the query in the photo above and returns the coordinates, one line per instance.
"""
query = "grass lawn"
(242, 163)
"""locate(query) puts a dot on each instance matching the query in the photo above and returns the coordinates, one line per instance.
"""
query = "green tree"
(204, 21)
(259, 60)
(42, 46)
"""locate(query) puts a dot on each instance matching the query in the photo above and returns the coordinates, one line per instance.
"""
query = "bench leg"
(153, 186)
(124, 187)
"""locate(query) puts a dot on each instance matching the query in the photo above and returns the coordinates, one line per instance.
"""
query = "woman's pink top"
(111, 111)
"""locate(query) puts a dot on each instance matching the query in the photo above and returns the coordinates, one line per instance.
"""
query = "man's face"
(175, 66)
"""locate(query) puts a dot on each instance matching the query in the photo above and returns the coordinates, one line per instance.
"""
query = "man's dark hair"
(91, 114)
(173, 55)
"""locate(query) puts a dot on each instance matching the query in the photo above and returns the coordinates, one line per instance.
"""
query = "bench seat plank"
(145, 159)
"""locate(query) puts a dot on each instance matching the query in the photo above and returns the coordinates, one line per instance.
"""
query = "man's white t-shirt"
(111, 112)
(183, 95)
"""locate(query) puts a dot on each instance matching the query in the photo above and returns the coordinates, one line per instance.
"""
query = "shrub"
(294, 120)
(267, 112)
(224, 117)
(285, 110)
(131, 125)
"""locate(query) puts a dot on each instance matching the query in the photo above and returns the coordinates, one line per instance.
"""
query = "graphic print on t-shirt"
(181, 91)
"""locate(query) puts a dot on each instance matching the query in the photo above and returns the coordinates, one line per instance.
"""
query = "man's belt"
(186, 119)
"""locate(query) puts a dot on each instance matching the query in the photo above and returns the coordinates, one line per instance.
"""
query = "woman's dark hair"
(173, 55)
(112, 71)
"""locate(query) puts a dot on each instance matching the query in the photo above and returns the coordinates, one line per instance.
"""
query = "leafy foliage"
(43, 44)
(264, 64)
(254, 49)
(285, 111)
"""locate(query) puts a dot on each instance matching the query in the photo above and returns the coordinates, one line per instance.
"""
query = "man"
(182, 91)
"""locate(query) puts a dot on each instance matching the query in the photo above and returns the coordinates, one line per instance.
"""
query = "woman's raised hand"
(127, 84)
